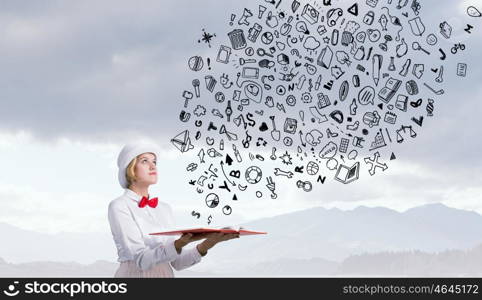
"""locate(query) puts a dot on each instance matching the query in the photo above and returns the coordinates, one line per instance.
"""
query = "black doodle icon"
(312, 168)
(196, 63)
(237, 38)
(321, 179)
(207, 38)
(227, 210)
(212, 200)
(461, 69)
(271, 187)
(305, 185)
(457, 47)
(445, 30)
(279, 172)
(191, 167)
(353, 10)
(404, 129)
(182, 141)
(346, 174)
(473, 12)
(196, 214)
(417, 26)
(253, 175)
(187, 95)
(374, 162)
(327, 89)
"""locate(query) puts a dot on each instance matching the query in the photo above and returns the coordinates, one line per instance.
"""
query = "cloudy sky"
(81, 78)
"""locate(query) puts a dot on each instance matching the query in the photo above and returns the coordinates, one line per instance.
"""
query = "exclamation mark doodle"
(209, 63)
(302, 116)
(233, 16)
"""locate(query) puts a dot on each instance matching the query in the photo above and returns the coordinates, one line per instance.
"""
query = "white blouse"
(131, 226)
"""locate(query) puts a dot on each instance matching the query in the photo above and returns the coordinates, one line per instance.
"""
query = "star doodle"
(207, 38)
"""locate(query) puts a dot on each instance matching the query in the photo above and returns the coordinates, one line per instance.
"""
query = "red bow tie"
(146, 201)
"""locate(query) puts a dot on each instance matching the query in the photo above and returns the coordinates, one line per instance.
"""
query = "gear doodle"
(200, 111)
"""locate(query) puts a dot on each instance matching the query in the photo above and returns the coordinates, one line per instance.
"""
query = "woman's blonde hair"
(130, 172)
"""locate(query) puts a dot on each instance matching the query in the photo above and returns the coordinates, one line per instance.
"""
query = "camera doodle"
(298, 93)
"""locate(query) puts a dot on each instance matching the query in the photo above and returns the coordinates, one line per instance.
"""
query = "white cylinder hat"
(128, 153)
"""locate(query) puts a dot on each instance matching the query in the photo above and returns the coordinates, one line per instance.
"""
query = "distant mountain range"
(21, 246)
(44, 269)
(314, 242)
(333, 234)
(450, 263)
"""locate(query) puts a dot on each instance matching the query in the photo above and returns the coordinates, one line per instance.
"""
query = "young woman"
(135, 214)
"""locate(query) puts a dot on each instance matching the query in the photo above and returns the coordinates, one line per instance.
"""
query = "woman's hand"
(221, 237)
(213, 239)
(188, 238)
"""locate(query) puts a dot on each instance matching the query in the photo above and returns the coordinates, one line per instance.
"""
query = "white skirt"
(130, 269)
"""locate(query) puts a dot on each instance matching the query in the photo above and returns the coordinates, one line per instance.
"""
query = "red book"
(208, 230)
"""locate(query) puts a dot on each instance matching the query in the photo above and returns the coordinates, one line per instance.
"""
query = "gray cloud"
(89, 71)
(112, 70)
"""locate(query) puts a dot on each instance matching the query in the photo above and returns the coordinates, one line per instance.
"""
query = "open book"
(391, 87)
(240, 230)
(347, 175)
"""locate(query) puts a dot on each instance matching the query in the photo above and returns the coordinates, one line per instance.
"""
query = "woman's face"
(146, 169)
